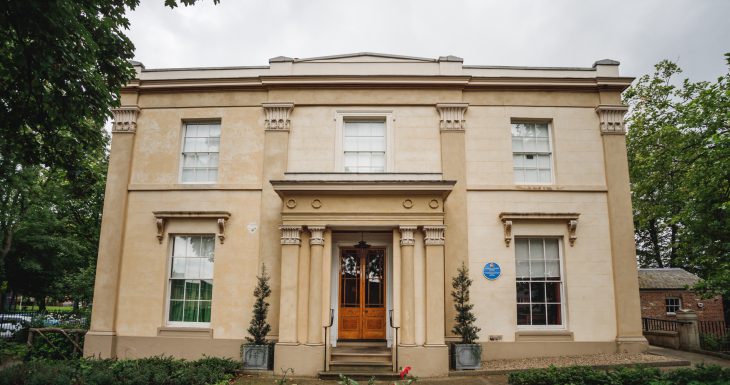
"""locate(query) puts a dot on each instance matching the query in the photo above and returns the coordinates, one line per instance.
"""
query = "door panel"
(362, 294)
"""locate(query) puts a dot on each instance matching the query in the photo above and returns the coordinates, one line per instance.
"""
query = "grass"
(59, 309)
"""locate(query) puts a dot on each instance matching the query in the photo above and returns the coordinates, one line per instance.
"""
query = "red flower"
(405, 371)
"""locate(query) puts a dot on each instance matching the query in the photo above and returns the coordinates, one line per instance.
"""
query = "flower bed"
(583, 375)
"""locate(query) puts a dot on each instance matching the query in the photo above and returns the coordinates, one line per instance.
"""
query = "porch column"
(290, 242)
(316, 244)
(408, 291)
(434, 240)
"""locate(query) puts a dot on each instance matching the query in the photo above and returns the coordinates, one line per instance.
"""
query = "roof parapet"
(606, 68)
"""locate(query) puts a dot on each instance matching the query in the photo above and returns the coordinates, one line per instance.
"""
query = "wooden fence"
(656, 324)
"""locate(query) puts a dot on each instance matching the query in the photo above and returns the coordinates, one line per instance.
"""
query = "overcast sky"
(575, 33)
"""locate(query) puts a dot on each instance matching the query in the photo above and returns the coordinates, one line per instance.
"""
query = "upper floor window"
(200, 152)
(673, 304)
(364, 146)
(531, 153)
(539, 282)
(191, 279)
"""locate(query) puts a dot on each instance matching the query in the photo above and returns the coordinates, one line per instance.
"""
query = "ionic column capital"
(290, 234)
(611, 118)
(452, 116)
(125, 119)
(406, 235)
(316, 235)
(277, 116)
(434, 235)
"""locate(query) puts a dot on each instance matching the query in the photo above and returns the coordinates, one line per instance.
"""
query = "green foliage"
(259, 328)
(283, 380)
(715, 343)
(153, 371)
(11, 350)
(344, 380)
(465, 318)
(638, 375)
(679, 160)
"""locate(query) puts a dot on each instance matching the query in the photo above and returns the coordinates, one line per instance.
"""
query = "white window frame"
(667, 305)
(168, 292)
(181, 161)
(343, 116)
(563, 299)
(551, 140)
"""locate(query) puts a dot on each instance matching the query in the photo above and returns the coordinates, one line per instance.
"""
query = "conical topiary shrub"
(256, 352)
(467, 354)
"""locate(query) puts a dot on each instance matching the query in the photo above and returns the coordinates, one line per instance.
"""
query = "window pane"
(207, 247)
(351, 144)
(530, 161)
(541, 130)
(523, 314)
(204, 315)
(179, 246)
(543, 161)
(542, 145)
(191, 311)
(538, 315)
(523, 269)
(521, 251)
(517, 145)
(529, 144)
(518, 129)
(523, 292)
(531, 176)
(552, 291)
(177, 289)
(192, 290)
(191, 130)
(519, 176)
(176, 311)
(192, 268)
(536, 250)
(553, 315)
(178, 268)
(537, 292)
(215, 130)
(551, 249)
(537, 269)
(545, 176)
(206, 268)
(188, 175)
(552, 269)
(206, 290)
(530, 130)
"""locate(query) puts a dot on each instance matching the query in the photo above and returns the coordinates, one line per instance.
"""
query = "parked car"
(12, 323)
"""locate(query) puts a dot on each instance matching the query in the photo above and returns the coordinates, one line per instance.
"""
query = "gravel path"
(594, 359)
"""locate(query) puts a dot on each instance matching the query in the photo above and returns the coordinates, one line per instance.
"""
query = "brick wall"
(653, 306)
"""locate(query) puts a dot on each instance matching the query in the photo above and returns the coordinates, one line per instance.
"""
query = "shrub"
(638, 375)
(11, 350)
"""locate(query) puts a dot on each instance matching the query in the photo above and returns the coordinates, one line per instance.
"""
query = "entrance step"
(382, 375)
(379, 344)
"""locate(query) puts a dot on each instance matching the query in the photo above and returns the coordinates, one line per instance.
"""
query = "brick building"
(664, 291)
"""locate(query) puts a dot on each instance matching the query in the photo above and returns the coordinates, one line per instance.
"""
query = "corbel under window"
(571, 220)
(221, 217)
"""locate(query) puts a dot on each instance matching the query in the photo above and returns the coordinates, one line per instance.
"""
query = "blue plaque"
(492, 271)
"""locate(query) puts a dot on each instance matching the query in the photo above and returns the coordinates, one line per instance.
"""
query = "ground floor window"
(673, 304)
(539, 282)
(191, 279)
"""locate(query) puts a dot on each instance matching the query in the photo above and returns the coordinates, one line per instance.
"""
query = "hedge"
(638, 375)
(146, 371)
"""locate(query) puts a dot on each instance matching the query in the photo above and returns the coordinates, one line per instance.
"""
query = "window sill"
(543, 335)
(185, 331)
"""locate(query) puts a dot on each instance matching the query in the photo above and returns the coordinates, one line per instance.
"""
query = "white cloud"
(533, 33)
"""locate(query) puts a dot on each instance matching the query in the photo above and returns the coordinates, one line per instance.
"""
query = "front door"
(362, 294)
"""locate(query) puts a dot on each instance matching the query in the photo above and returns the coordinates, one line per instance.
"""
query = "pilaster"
(102, 333)
(408, 291)
(316, 244)
(629, 336)
(276, 151)
(290, 243)
(434, 241)
(453, 167)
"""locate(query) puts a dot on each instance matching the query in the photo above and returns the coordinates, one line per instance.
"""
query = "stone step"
(361, 364)
(379, 344)
(371, 358)
(334, 374)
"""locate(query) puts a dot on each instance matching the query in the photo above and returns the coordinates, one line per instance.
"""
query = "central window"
(200, 152)
(364, 146)
(531, 153)
(539, 282)
(191, 279)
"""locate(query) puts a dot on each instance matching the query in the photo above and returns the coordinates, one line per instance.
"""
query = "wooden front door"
(362, 294)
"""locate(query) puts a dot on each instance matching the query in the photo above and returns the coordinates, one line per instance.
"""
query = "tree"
(259, 328)
(62, 64)
(465, 319)
(679, 161)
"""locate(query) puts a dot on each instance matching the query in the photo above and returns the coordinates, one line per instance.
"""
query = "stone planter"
(467, 356)
(256, 357)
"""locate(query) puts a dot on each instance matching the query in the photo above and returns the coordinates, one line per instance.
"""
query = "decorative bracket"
(611, 119)
(452, 116)
(221, 217)
(277, 116)
(570, 218)
(434, 235)
(125, 119)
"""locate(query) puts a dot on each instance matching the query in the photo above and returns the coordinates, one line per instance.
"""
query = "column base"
(100, 344)
(305, 360)
(425, 361)
(637, 344)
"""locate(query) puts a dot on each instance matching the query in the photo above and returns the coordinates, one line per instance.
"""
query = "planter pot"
(467, 356)
(256, 357)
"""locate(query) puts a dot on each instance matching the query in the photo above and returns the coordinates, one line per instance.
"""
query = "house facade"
(664, 291)
(362, 182)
